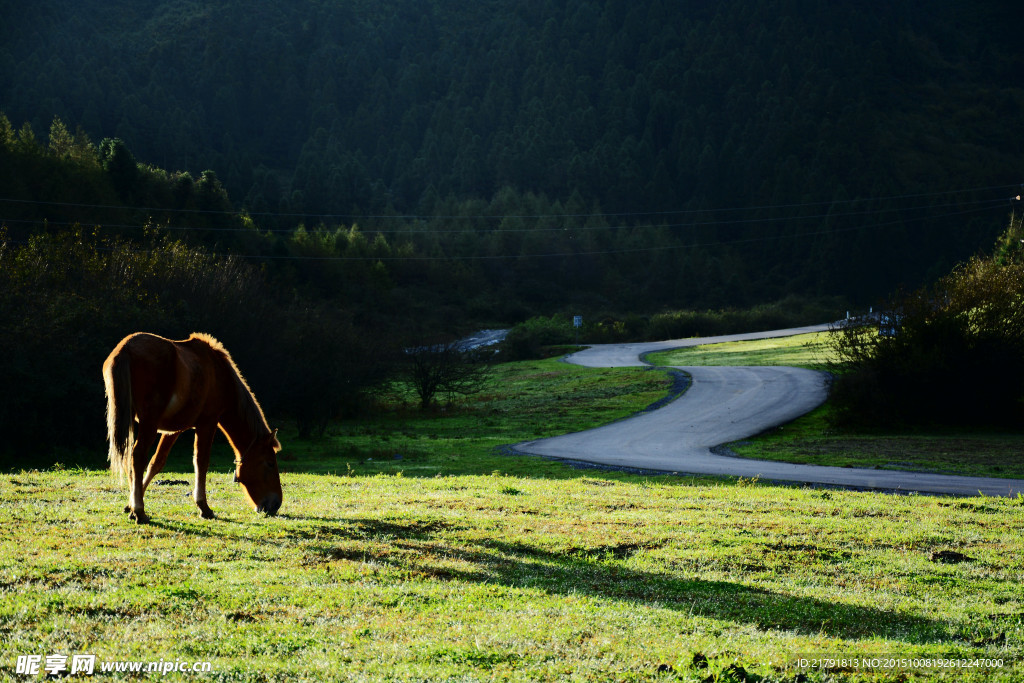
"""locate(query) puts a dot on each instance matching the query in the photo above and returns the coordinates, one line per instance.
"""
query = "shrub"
(528, 340)
(956, 357)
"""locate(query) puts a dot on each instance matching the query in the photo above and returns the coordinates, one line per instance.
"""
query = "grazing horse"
(165, 387)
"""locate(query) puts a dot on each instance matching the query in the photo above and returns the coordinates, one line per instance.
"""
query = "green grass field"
(814, 441)
(802, 350)
(410, 548)
(495, 577)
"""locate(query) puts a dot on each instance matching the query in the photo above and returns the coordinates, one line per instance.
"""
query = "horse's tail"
(117, 376)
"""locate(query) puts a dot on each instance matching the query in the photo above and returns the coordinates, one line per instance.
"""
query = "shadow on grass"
(200, 527)
(428, 550)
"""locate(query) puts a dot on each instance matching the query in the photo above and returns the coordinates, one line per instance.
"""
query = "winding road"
(725, 404)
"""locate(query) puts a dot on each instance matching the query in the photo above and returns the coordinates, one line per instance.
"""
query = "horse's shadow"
(196, 526)
(428, 549)
(433, 548)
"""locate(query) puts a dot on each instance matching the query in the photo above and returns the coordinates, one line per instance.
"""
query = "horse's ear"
(274, 442)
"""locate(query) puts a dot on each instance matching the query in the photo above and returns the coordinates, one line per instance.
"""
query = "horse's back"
(151, 359)
(172, 381)
(152, 349)
(143, 345)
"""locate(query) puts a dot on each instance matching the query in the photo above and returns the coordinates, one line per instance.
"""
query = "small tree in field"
(445, 368)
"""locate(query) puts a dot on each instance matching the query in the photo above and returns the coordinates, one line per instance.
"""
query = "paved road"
(726, 404)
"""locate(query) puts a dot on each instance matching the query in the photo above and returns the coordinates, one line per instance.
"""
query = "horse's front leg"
(201, 462)
(143, 440)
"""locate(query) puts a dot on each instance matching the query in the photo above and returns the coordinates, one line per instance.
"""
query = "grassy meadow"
(801, 350)
(813, 440)
(411, 547)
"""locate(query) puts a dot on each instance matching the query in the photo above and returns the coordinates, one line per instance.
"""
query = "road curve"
(726, 404)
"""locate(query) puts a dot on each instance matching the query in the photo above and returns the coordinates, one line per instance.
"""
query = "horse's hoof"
(206, 514)
(139, 517)
(127, 509)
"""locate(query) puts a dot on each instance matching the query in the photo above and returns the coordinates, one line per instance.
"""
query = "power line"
(984, 203)
(428, 217)
(605, 252)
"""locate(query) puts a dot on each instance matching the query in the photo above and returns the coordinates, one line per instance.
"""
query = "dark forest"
(541, 156)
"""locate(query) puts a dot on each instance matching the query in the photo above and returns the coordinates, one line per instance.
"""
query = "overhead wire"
(607, 252)
(501, 216)
(983, 206)
(535, 229)
(583, 228)
(964, 207)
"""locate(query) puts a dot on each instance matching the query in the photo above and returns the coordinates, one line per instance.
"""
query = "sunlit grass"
(409, 547)
(589, 575)
(802, 350)
(813, 440)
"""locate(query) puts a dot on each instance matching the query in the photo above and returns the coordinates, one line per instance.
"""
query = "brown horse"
(165, 387)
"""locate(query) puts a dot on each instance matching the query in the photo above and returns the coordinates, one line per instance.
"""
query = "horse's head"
(257, 473)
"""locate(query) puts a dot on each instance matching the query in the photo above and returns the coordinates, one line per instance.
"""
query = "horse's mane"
(248, 407)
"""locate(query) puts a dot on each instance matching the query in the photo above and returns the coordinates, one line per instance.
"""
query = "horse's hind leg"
(156, 465)
(143, 441)
(201, 462)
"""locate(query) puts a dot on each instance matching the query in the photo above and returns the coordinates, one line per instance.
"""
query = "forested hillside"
(529, 156)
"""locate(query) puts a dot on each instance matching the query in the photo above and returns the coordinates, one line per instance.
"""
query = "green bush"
(610, 329)
(956, 357)
(530, 339)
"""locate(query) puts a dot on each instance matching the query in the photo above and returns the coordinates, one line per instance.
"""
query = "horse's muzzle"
(270, 505)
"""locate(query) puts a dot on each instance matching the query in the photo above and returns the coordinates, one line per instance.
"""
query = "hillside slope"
(864, 130)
